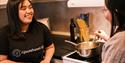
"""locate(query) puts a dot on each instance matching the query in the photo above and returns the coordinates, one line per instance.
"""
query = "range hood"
(85, 3)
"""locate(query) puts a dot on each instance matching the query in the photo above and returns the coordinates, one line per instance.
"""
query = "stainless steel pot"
(86, 49)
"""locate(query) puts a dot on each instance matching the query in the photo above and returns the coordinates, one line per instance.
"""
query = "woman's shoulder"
(120, 35)
(41, 25)
(115, 48)
(118, 40)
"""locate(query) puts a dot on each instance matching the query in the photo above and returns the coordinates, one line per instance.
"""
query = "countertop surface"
(74, 57)
(64, 49)
(61, 47)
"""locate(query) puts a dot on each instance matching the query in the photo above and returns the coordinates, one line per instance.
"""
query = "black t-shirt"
(29, 48)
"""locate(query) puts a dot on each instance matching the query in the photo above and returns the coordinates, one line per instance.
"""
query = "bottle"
(85, 17)
(73, 36)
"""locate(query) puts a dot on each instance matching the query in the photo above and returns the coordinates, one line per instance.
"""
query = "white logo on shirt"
(17, 52)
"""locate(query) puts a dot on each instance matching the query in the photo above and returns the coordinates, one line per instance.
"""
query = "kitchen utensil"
(86, 49)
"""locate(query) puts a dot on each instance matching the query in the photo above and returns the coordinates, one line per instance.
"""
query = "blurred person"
(113, 50)
(24, 39)
(100, 33)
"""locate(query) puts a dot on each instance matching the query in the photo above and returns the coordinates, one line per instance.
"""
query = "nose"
(28, 10)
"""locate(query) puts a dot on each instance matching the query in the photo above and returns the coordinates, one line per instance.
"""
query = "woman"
(24, 39)
(114, 49)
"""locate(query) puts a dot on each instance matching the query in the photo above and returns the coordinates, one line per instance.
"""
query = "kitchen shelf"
(3, 6)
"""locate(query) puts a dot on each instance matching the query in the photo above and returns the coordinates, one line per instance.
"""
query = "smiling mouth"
(29, 16)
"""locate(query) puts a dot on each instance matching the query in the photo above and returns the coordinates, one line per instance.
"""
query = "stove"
(74, 57)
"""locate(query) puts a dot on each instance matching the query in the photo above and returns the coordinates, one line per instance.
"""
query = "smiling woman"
(24, 39)
(25, 12)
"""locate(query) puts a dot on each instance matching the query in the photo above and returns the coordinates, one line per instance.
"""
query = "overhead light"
(3, 2)
(85, 3)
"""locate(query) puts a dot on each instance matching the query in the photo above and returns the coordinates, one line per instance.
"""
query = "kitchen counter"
(62, 48)
(74, 57)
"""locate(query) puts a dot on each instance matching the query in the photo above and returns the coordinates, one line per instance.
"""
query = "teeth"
(28, 14)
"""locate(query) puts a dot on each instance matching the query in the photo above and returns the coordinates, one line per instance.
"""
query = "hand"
(45, 61)
(101, 34)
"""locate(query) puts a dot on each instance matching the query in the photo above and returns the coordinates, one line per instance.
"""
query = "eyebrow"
(22, 5)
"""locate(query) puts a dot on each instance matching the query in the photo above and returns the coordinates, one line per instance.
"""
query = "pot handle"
(71, 42)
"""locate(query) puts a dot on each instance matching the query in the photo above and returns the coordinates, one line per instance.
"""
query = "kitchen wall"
(3, 17)
(59, 16)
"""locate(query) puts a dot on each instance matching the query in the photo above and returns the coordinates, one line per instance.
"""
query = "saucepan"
(86, 49)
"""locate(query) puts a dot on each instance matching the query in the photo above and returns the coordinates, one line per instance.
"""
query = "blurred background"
(59, 15)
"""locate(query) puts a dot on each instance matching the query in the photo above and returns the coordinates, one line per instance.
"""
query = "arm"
(49, 51)
(3, 59)
(114, 52)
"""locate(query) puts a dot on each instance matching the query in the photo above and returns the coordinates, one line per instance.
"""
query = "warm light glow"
(2, 2)
(85, 3)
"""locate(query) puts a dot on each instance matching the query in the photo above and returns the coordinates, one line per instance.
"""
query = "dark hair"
(117, 9)
(13, 17)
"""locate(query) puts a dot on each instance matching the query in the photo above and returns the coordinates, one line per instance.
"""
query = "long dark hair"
(13, 18)
(117, 9)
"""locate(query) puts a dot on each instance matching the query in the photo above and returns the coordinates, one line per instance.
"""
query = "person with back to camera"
(24, 39)
(113, 50)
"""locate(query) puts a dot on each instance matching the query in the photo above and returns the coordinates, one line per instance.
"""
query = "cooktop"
(74, 57)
